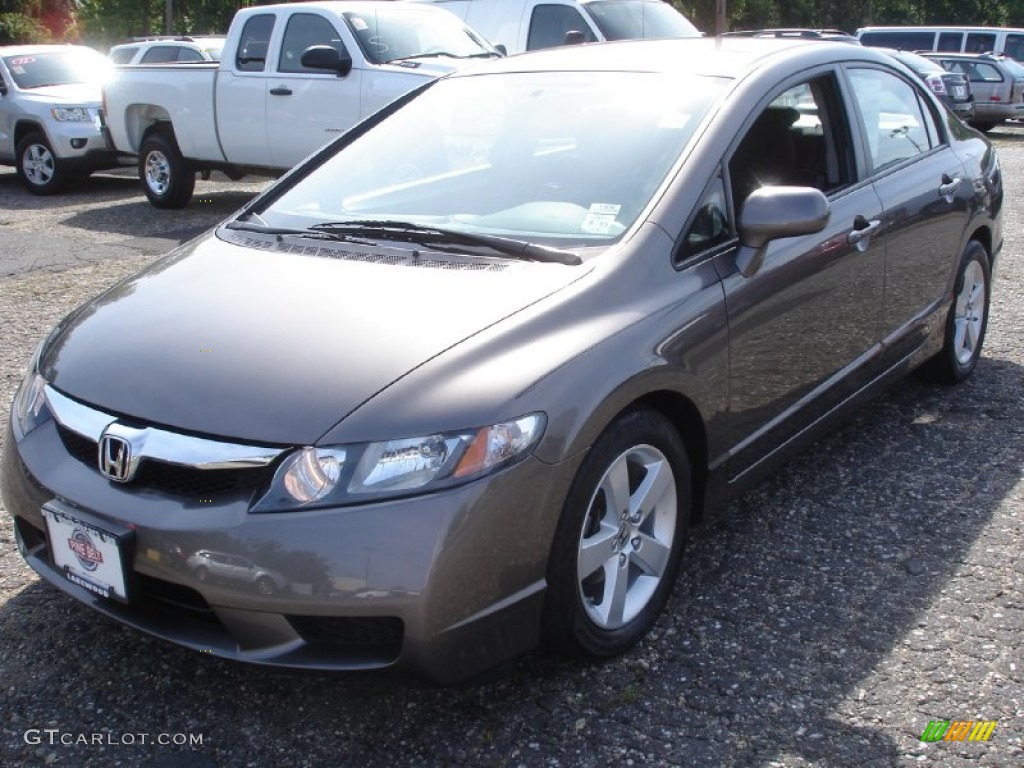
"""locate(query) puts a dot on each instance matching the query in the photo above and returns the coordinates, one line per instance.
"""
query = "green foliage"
(18, 28)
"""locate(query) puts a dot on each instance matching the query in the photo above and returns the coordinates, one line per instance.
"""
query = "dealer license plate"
(88, 555)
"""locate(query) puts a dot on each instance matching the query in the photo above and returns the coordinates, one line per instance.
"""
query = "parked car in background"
(529, 25)
(50, 127)
(168, 50)
(293, 77)
(997, 83)
(952, 88)
(208, 565)
(472, 371)
(1005, 40)
(835, 35)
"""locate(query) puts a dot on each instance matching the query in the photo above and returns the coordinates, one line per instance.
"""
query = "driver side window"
(305, 30)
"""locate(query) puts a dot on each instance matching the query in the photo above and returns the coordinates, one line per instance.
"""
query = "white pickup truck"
(290, 78)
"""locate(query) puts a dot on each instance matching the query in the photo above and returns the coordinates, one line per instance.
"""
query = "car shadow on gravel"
(100, 187)
(140, 219)
(781, 614)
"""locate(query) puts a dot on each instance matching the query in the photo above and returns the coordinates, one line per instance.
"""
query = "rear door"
(241, 94)
(925, 195)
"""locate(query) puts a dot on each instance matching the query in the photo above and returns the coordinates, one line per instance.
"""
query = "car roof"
(730, 57)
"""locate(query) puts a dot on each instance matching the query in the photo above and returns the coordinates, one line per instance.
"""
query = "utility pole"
(721, 19)
(168, 17)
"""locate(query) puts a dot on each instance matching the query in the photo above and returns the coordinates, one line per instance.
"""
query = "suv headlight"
(319, 476)
(71, 114)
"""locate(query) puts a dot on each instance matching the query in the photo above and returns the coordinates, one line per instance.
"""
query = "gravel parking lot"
(870, 587)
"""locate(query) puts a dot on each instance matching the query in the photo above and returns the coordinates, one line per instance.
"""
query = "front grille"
(173, 479)
(377, 637)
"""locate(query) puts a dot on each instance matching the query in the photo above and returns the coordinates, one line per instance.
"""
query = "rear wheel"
(967, 321)
(38, 167)
(168, 179)
(620, 538)
(982, 126)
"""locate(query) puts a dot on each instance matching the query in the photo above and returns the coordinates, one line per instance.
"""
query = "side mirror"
(500, 48)
(326, 57)
(770, 213)
(575, 37)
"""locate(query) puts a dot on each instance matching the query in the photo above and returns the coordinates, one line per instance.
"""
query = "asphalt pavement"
(870, 587)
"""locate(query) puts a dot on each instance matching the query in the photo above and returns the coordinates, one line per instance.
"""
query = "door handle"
(281, 91)
(862, 231)
(948, 187)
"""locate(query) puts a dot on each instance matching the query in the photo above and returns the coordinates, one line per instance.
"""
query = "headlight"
(71, 114)
(30, 402)
(351, 474)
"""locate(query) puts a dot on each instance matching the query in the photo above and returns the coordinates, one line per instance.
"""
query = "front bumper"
(445, 585)
(81, 146)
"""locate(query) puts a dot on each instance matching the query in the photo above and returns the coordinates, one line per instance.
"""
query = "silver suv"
(50, 114)
(997, 83)
(168, 50)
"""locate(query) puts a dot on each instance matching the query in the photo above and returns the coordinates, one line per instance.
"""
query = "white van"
(527, 25)
(1005, 40)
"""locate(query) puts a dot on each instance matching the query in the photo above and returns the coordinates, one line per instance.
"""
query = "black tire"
(39, 170)
(265, 585)
(168, 179)
(967, 321)
(581, 616)
(982, 126)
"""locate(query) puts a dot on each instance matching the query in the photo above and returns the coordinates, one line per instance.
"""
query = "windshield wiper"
(265, 229)
(426, 235)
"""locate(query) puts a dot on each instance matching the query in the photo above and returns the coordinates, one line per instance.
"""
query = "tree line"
(105, 22)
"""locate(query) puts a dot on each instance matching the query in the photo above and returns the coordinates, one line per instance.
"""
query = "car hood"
(276, 347)
(432, 67)
(79, 94)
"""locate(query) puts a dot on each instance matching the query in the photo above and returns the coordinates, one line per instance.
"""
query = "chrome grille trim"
(160, 444)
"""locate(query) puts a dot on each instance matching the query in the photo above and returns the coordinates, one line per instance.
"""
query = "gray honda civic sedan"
(464, 380)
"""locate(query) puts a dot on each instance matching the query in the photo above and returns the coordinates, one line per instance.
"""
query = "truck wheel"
(167, 178)
(38, 167)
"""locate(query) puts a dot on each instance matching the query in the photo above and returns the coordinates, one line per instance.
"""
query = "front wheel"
(38, 168)
(967, 320)
(620, 538)
(167, 178)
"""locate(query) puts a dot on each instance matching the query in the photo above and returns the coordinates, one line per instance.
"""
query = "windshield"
(557, 158)
(635, 19)
(391, 34)
(38, 70)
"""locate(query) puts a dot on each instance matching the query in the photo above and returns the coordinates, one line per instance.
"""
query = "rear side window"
(551, 23)
(189, 54)
(305, 30)
(902, 39)
(122, 55)
(1014, 47)
(980, 42)
(254, 43)
(160, 54)
(896, 125)
(950, 42)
